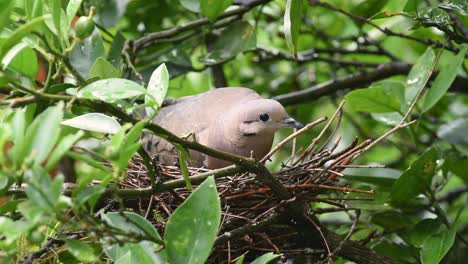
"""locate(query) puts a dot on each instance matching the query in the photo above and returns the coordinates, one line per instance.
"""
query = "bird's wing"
(194, 115)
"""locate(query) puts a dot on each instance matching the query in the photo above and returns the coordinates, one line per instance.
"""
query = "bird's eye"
(264, 117)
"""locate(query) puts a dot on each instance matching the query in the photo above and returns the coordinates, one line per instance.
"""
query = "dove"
(233, 119)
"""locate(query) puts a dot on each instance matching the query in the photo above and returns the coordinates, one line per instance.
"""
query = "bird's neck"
(244, 142)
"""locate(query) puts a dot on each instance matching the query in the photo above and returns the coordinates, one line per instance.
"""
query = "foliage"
(87, 97)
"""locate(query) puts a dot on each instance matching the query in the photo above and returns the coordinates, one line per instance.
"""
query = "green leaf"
(110, 90)
(5, 9)
(103, 70)
(9, 206)
(63, 146)
(72, 8)
(444, 79)
(368, 8)
(134, 253)
(21, 59)
(374, 100)
(157, 88)
(191, 230)
(213, 8)
(416, 179)
(424, 229)
(18, 126)
(457, 163)
(460, 6)
(292, 23)
(42, 190)
(115, 52)
(236, 38)
(377, 176)
(240, 260)
(411, 6)
(266, 258)
(391, 118)
(43, 133)
(454, 131)
(192, 5)
(109, 12)
(131, 223)
(419, 74)
(21, 32)
(96, 122)
(85, 53)
(33, 8)
(392, 220)
(81, 250)
(437, 246)
(183, 155)
(89, 194)
(54, 8)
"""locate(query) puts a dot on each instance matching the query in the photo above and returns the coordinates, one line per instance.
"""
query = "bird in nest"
(233, 120)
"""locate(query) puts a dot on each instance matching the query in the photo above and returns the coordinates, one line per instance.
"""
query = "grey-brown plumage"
(235, 120)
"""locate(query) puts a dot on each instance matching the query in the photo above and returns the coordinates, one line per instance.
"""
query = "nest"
(246, 201)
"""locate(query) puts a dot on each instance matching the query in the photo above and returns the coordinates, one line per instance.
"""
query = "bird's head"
(264, 116)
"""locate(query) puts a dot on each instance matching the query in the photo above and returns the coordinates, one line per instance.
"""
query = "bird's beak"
(291, 122)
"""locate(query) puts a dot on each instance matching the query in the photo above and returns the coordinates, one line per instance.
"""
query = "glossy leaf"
(96, 122)
(460, 6)
(110, 90)
(18, 129)
(444, 79)
(191, 229)
(85, 53)
(374, 100)
(81, 250)
(157, 88)
(213, 8)
(103, 70)
(22, 59)
(130, 222)
(437, 246)
(43, 133)
(454, 132)
(192, 5)
(419, 74)
(435, 17)
(416, 179)
(109, 12)
(266, 258)
(292, 23)
(72, 9)
(53, 23)
(134, 253)
(236, 38)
